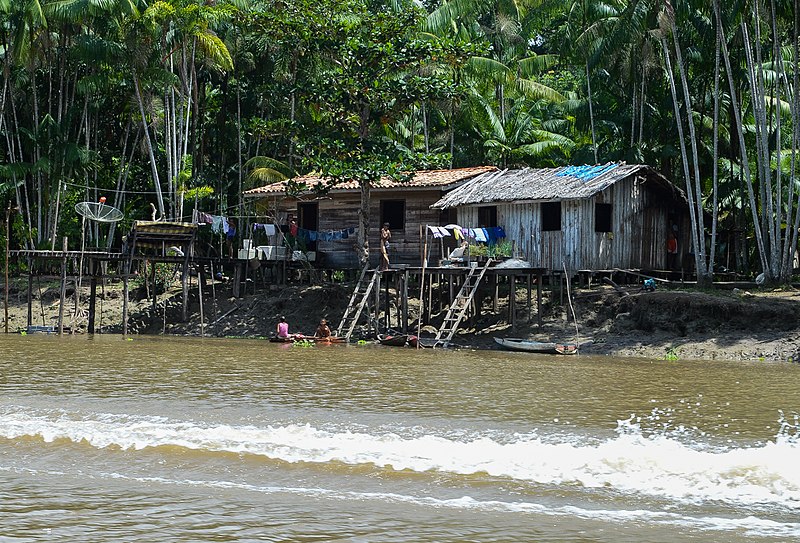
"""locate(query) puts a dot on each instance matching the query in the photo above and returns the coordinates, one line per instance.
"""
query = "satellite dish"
(98, 211)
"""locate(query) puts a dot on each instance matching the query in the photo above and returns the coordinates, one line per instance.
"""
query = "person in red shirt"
(672, 250)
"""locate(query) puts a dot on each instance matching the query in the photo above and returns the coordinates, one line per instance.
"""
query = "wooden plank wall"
(341, 211)
(639, 224)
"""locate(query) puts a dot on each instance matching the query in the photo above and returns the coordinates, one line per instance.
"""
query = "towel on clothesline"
(267, 228)
(439, 231)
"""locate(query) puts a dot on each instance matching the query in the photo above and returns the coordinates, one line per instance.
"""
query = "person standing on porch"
(386, 235)
(672, 250)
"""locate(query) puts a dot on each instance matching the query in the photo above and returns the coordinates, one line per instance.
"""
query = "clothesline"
(326, 235)
(484, 235)
(218, 222)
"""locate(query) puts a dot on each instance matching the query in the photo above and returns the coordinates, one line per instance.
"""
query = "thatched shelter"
(584, 217)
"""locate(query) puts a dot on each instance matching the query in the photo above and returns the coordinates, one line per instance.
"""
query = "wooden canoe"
(530, 346)
(394, 341)
(300, 337)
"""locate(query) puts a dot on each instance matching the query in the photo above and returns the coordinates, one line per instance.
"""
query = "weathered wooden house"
(405, 205)
(584, 217)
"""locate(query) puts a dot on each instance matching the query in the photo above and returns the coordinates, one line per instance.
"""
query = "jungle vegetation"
(170, 102)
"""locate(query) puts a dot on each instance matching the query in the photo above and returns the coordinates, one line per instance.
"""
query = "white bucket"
(246, 243)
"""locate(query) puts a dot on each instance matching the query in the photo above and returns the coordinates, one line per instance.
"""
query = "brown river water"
(171, 439)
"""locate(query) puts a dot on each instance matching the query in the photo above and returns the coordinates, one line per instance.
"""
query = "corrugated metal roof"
(531, 184)
(422, 179)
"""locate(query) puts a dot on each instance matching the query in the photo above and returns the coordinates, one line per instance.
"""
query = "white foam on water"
(661, 466)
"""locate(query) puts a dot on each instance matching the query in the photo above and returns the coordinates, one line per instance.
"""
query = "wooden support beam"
(430, 298)
(405, 301)
(155, 293)
(237, 280)
(92, 295)
(201, 277)
(126, 267)
(539, 298)
(512, 299)
(530, 305)
(452, 290)
(30, 291)
(185, 285)
(377, 304)
(63, 296)
(387, 317)
(495, 294)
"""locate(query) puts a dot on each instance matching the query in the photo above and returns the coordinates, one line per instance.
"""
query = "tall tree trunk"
(684, 154)
(148, 141)
(698, 228)
(737, 114)
(591, 112)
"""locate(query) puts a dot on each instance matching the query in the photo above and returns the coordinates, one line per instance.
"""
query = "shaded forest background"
(173, 104)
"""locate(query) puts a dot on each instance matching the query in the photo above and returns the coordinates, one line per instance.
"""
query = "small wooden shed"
(405, 205)
(585, 217)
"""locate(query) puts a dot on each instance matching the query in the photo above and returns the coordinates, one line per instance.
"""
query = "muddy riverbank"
(667, 324)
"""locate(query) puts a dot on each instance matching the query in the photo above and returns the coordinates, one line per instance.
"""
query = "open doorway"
(309, 219)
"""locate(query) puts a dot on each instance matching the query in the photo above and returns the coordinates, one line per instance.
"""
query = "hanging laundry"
(270, 230)
(435, 231)
(216, 224)
(500, 233)
(225, 225)
(480, 235)
(445, 233)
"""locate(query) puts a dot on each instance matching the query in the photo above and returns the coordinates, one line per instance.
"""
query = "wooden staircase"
(458, 309)
(367, 283)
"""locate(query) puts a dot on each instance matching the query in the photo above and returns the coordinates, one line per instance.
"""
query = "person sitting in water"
(322, 329)
(283, 328)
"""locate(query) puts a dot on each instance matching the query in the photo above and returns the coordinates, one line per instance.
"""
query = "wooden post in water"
(62, 298)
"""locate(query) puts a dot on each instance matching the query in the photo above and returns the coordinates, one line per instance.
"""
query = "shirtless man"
(386, 235)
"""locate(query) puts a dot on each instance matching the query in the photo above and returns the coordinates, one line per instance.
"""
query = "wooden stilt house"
(584, 217)
(327, 221)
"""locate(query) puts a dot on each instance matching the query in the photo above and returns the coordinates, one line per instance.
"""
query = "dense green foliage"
(170, 102)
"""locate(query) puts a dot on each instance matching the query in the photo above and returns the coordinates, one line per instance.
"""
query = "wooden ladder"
(458, 309)
(364, 287)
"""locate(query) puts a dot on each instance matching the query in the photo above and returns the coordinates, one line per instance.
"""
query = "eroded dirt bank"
(684, 324)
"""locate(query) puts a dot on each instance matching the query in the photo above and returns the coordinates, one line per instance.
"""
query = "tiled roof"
(432, 179)
(531, 184)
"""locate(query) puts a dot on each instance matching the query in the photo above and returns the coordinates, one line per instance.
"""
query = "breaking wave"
(630, 462)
